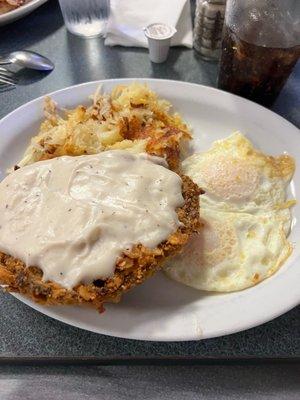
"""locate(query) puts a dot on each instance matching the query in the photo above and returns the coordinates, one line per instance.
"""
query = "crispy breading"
(132, 268)
(131, 117)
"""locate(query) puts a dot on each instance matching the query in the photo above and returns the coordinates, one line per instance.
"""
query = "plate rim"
(221, 332)
(19, 12)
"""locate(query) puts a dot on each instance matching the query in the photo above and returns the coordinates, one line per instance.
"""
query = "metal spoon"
(28, 59)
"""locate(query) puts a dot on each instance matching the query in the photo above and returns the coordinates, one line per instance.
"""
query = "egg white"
(232, 252)
(245, 213)
(237, 177)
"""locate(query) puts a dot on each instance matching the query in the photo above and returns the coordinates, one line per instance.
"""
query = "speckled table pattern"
(25, 332)
(159, 383)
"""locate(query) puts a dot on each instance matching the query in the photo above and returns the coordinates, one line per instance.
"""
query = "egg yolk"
(230, 179)
(216, 242)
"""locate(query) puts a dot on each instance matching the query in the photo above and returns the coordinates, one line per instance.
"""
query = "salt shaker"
(209, 21)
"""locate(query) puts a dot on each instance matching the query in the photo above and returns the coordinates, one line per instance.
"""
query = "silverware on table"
(7, 78)
(28, 59)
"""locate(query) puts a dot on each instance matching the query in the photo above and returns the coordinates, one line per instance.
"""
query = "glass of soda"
(261, 45)
(86, 18)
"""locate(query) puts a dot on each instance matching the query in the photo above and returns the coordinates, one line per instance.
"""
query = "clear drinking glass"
(86, 18)
(261, 45)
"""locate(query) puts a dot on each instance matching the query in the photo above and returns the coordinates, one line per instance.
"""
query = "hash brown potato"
(131, 117)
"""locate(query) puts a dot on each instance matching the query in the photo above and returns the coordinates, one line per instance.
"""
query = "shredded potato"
(131, 117)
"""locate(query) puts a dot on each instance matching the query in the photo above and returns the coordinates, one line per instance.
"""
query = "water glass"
(86, 18)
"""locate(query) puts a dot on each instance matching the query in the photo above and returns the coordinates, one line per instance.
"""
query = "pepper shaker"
(208, 26)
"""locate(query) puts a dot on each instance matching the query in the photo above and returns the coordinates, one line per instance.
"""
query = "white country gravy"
(73, 216)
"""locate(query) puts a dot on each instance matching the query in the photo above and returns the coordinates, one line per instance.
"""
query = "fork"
(7, 77)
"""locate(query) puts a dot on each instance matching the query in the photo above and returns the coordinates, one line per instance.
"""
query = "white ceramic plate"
(162, 309)
(20, 12)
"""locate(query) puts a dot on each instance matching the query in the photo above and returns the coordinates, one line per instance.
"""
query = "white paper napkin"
(129, 17)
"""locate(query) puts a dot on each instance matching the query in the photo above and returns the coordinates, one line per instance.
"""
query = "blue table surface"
(25, 332)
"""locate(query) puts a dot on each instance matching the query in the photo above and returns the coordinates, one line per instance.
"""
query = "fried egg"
(232, 252)
(245, 214)
(237, 177)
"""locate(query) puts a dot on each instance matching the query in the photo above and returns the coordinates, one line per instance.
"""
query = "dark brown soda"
(255, 72)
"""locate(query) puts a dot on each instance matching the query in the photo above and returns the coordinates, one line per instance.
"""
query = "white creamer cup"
(159, 38)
